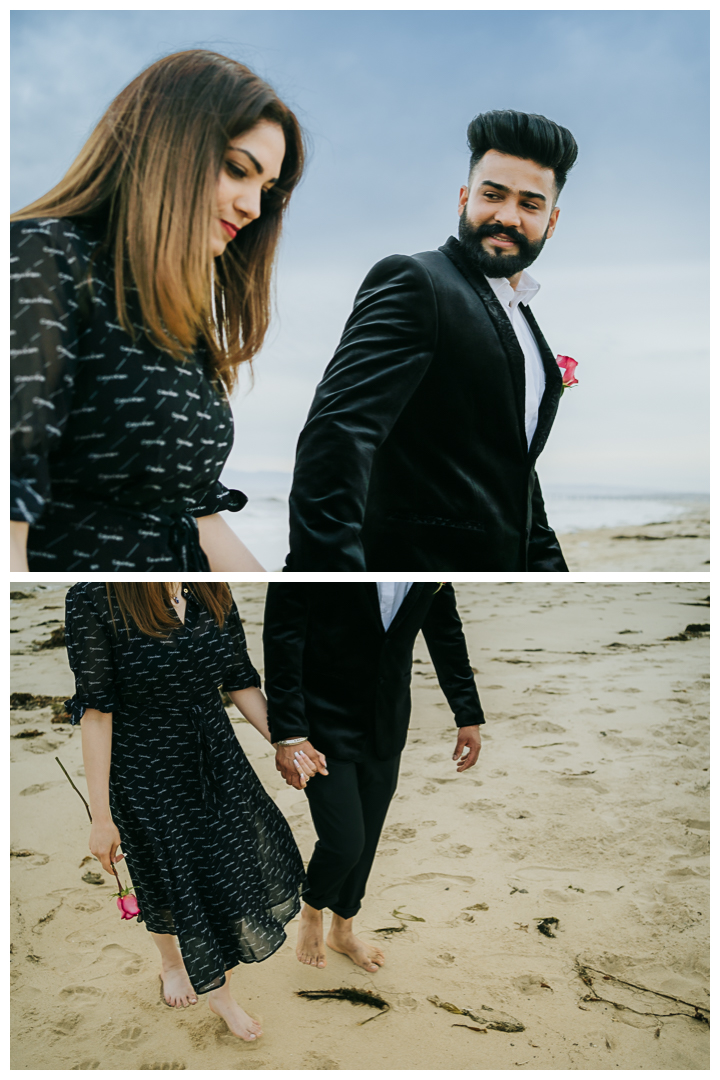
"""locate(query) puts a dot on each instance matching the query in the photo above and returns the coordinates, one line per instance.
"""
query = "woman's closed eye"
(235, 170)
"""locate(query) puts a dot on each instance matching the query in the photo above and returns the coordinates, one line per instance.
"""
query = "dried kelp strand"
(351, 994)
(510, 1025)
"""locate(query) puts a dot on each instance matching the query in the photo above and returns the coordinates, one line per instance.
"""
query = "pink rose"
(129, 906)
(567, 365)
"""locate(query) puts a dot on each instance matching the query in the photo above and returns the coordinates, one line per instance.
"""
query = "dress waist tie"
(212, 790)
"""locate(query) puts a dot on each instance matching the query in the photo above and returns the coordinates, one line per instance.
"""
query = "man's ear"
(553, 222)
(464, 192)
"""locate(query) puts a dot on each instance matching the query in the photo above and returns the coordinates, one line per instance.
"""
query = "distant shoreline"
(680, 545)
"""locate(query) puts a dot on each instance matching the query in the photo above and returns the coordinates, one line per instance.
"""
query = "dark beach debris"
(575, 888)
(351, 994)
(673, 536)
(477, 907)
(692, 630)
(400, 914)
(515, 889)
(468, 1026)
(587, 974)
(37, 701)
(93, 878)
(21, 853)
(55, 641)
(28, 733)
(16, 595)
(390, 929)
(498, 1022)
(544, 926)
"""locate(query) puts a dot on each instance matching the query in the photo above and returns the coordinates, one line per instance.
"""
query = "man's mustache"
(500, 230)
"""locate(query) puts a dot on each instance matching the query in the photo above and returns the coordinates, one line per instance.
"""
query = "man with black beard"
(420, 446)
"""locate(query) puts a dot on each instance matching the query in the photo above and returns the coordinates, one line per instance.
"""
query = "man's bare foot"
(310, 946)
(224, 1005)
(365, 956)
(177, 988)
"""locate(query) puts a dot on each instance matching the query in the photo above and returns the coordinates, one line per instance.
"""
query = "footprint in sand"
(319, 1061)
(88, 906)
(440, 882)
(35, 789)
(128, 1038)
(399, 832)
(87, 1065)
(455, 851)
(165, 1065)
(445, 959)
(131, 962)
(81, 993)
(66, 1024)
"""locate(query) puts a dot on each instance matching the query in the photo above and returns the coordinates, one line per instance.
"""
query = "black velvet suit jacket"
(414, 455)
(334, 674)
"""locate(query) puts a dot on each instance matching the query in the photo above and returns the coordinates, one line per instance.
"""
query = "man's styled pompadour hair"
(523, 135)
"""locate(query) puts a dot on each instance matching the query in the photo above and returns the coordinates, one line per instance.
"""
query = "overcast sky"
(386, 98)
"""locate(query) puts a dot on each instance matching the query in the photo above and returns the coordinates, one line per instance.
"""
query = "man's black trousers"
(348, 809)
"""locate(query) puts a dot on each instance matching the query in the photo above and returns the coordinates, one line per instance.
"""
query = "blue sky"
(386, 98)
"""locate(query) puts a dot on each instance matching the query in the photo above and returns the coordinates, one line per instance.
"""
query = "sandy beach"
(665, 546)
(588, 809)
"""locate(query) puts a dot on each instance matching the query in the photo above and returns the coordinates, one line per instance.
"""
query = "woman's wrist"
(291, 742)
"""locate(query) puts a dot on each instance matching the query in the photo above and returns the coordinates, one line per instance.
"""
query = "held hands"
(299, 763)
(104, 844)
(468, 740)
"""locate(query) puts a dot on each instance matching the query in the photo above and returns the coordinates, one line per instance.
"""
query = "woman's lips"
(231, 229)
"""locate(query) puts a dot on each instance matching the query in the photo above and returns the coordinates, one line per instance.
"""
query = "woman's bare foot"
(341, 939)
(177, 988)
(310, 946)
(224, 1005)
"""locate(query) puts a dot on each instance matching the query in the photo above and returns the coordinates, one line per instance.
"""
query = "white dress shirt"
(534, 371)
(391, 595)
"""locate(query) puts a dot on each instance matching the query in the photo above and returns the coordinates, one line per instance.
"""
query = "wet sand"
(589, 805)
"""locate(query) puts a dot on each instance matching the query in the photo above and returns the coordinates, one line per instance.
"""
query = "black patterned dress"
(116, 447)
(211, 857)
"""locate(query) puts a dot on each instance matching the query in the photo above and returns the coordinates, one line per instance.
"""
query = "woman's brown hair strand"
(148, 604)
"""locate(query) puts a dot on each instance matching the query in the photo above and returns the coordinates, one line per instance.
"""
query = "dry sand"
(589, 805)
(666, 546)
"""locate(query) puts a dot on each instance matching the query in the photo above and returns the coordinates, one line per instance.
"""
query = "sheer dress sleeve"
(240, 672)
(47, 299)
(89, 653)
(217, 498)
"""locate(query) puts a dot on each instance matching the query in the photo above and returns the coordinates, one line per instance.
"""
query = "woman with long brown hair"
(140, 284)
(212, 860)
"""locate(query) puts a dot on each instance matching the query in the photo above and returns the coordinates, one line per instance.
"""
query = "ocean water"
(263, 527)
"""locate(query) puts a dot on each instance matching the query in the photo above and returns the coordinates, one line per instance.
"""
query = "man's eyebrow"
(256, 163)
(525, 194)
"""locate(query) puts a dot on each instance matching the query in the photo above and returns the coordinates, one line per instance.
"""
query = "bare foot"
(310, 946)
(224, 1005)
(177, 988)
(365, 956)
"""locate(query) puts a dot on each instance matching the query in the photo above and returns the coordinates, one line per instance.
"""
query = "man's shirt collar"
(526, 290)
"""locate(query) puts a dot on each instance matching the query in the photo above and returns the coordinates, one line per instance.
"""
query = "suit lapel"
(501, 322)
(553, 387)
(373, 600)
(413, 595)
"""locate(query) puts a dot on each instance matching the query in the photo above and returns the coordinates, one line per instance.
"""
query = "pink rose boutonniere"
(567, 365)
